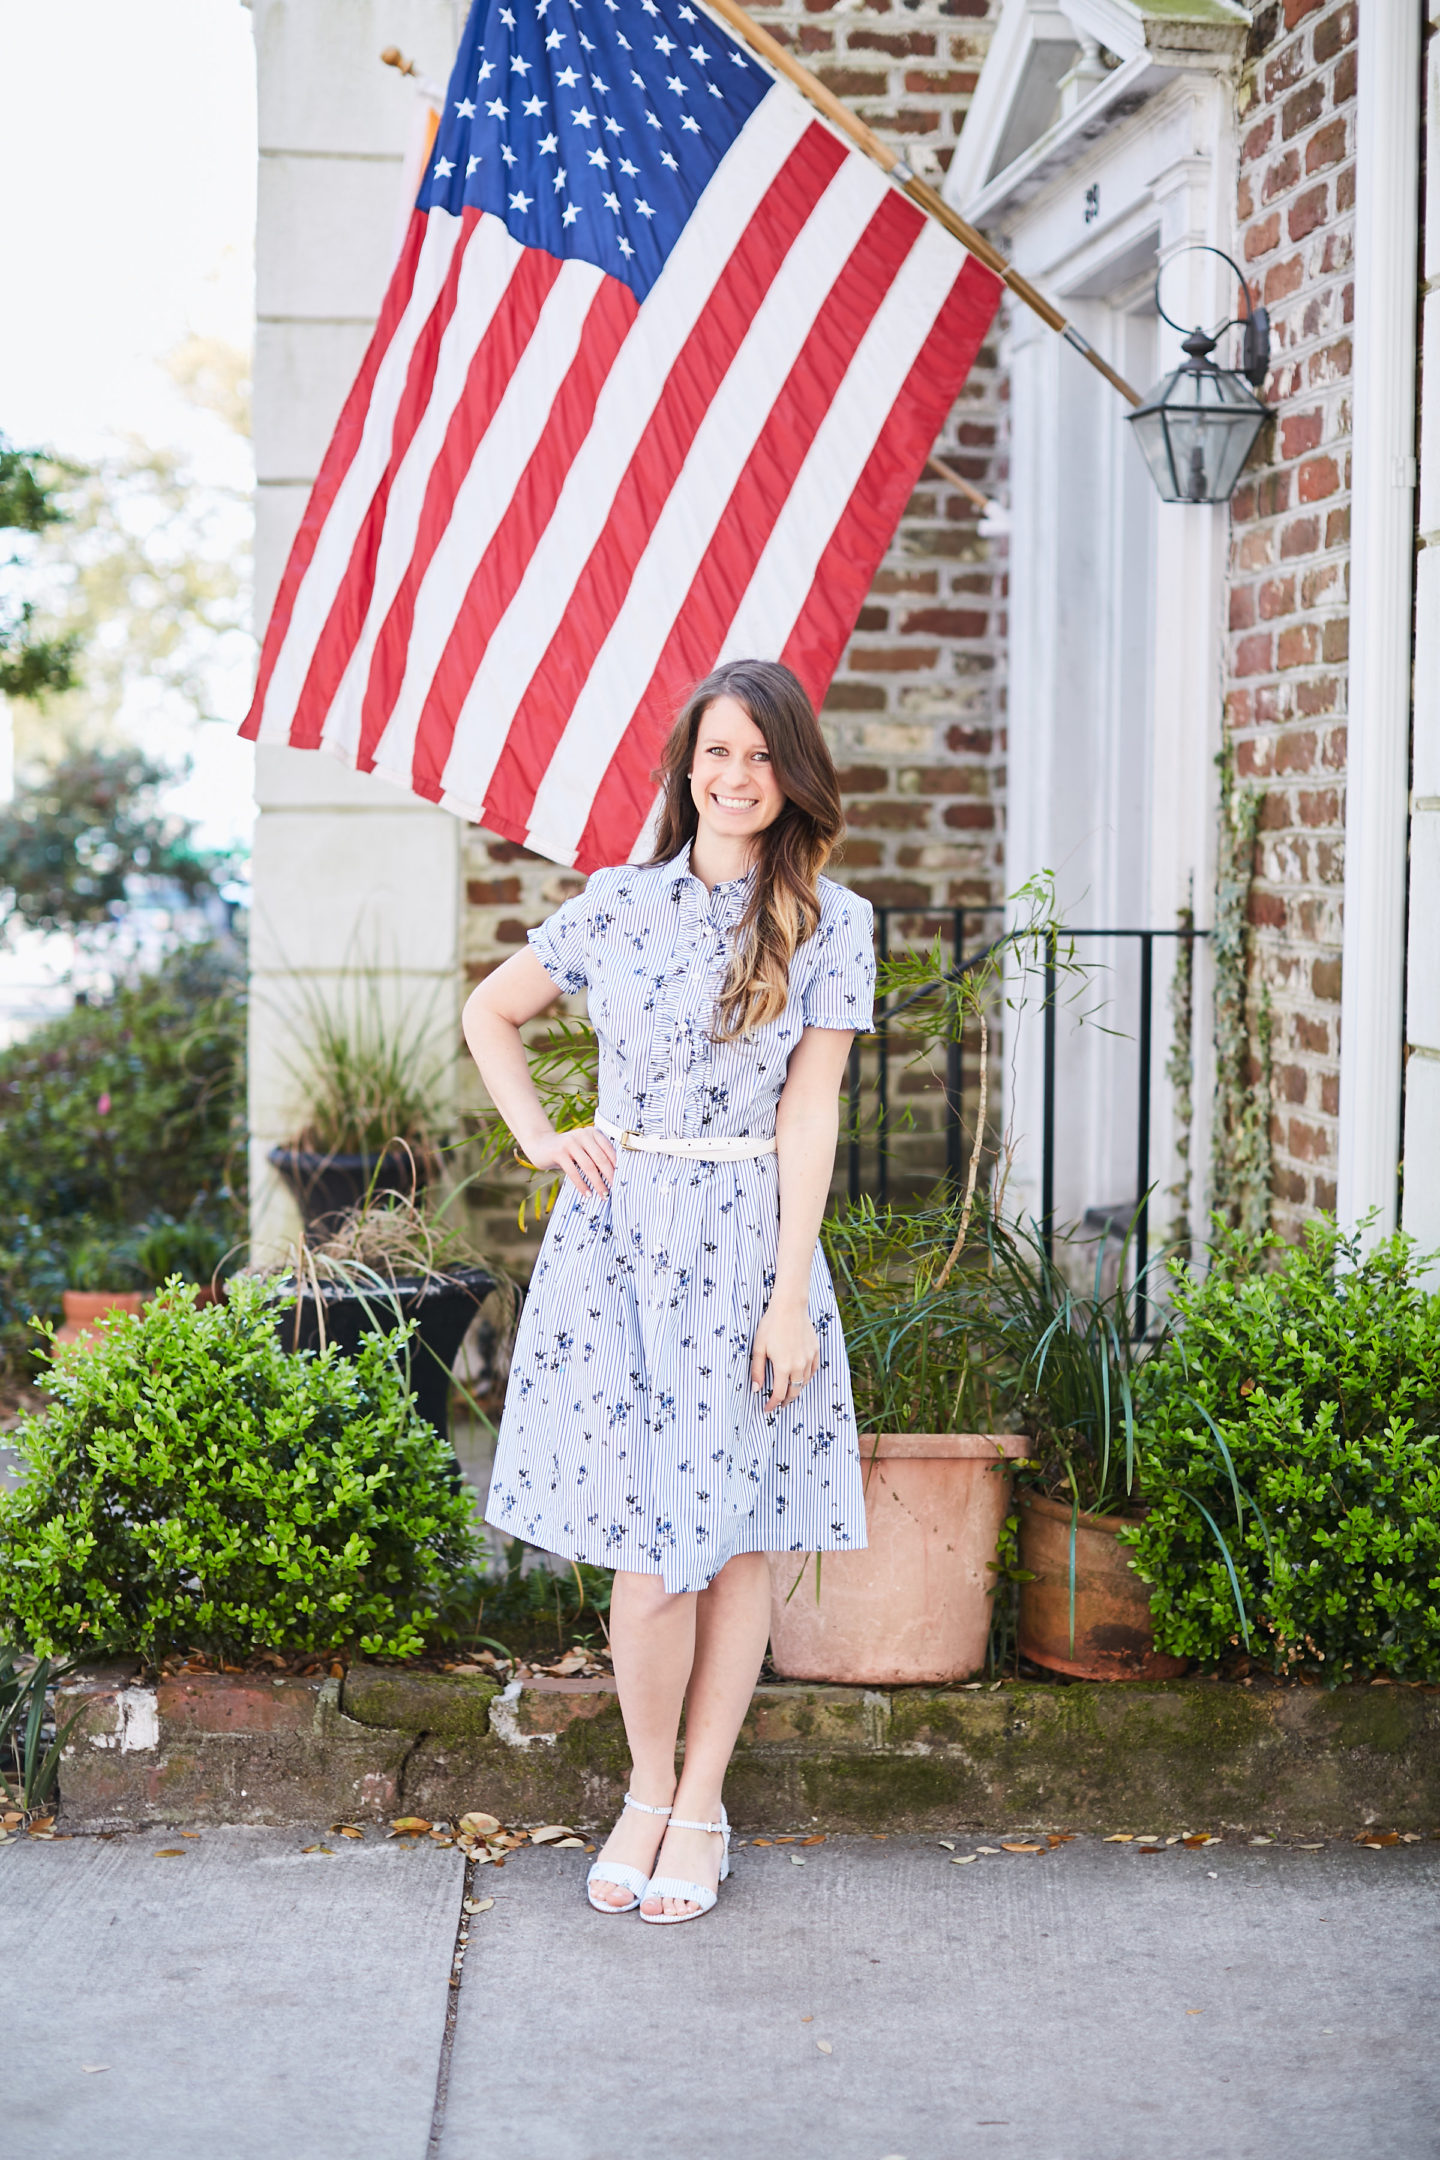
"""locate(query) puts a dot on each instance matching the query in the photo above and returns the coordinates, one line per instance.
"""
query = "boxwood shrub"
(1289, 1432)
(194, 1485)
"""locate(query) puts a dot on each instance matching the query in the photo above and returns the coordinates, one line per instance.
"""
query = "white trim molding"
(1382, 559)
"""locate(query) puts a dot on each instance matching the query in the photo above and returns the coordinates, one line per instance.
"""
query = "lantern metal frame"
(1202, 397)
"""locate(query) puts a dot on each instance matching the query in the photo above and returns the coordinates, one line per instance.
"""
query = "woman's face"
(732, 779)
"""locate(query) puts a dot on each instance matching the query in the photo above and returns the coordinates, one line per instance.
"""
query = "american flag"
(658, 367)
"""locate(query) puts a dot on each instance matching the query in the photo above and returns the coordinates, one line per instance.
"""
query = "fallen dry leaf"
(571, 1844)
(41, 1822)
(1310, 1848)
(808, 2020)
(988, 1850)
(169, 1852)
(1022, 1848)
(1121, 1837)
(319, 1849)
(818, 1839)
(480, 1825)
(795, 1859)
(1193, 1841)
(94, 2069)
(409, 1825)
(946, 1844)
(478, 1904)
(346, 1829)
(824, 2046)
(1194, 2013)
(549, 1832)
(762, 1841)
(964, 1859)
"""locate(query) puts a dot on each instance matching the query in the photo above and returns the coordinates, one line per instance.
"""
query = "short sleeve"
(562, 944)
(840, 989)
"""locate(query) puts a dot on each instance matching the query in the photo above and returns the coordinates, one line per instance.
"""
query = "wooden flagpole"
(918, 190)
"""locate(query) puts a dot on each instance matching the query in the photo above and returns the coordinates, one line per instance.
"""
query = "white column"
(1422, 1065)
(1381, 554)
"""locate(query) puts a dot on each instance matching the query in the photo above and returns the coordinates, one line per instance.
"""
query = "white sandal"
(619, 1871)
(663, 1886)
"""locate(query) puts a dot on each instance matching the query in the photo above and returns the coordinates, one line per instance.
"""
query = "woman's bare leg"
(731, 1628)
(652, 1641)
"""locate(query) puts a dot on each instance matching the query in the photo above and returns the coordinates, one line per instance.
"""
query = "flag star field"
(654, 376)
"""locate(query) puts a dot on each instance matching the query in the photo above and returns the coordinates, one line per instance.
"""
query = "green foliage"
(369, 1076)
(1240, 1165)
(194, 1486)
(1289, 1436)
(85, 832)
(527, 1609)
(906, 1321)
(115, 1109)
(32, 664)
(28, 1768)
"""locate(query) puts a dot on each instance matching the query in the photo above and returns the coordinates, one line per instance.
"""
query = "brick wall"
(1289, 561)
(915, 715)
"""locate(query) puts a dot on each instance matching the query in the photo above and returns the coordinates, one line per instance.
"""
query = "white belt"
(704, 1150)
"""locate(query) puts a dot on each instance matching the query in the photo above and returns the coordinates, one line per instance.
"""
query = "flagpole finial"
(393, 57)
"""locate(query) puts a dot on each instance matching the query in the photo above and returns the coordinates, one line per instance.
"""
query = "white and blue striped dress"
(631, 1437)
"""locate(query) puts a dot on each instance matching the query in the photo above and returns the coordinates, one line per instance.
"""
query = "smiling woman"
(679, 1402)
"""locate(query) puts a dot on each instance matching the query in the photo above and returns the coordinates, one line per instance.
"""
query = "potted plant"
(1071, 1360)
(103, 1277)
(384, 1264)
(189, 1247)
(915, 1605)
(371, 1083)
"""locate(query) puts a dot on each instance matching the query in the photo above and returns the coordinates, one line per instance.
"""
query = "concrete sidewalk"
(254, 2003)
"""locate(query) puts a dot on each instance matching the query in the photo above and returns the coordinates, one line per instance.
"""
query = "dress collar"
(727, 901)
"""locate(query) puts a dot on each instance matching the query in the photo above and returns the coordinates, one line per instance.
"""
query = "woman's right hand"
(583, 1153)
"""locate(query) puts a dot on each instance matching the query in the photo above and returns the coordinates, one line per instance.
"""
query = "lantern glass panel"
(1195, 432)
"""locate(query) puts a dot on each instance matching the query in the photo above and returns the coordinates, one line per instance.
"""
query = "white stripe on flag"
(631, 392)
(686, 526)
(323, 578)
(491, 260)
(483, 498)
(862, 405)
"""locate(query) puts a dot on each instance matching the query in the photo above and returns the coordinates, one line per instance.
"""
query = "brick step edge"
(203, 1748)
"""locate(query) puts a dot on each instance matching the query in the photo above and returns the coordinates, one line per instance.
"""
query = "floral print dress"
(631, 1436)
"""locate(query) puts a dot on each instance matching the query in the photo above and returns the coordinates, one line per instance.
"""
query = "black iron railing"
(878, 1051)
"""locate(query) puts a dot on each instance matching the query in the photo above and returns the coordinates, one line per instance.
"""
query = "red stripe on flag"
(495, 360)
(698, 371)
(843, 574)
(501, 567)
(352, 599)
(343, 445)
(622, 801)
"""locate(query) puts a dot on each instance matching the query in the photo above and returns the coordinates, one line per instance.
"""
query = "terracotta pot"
(915, 1605)
(84, 1307)
(1114, 1639)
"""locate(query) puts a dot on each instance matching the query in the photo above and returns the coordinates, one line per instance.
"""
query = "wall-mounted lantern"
(1197, 427)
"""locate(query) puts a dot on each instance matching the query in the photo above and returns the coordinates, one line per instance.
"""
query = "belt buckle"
(625, 1139)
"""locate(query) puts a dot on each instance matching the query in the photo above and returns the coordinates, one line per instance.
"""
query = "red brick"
(906, 121)
(1297, 10)
(1266, 910)
(1277, 597)
(969, 817)
(923, 84)
(893, 892)
(1316, 695)
(1337, 527)
(1291, 1083)
(1258, 141)
(1310, 210)
(1254, 654)
(1255, 550)
(1295, 752)
(1336, 31)
(1326, 147)
(1299, 646)
(861, 854)
(1282, 175)
(1318, 478)
(1285, 70)
(1242, 607)
(873, 618)
(1329, 866)
(1308, 1143)
(1336, 751)
(862, 779)
(493, 892)
(1325, 981)
(1332, 363)
(1300, 432)
(914, 44)
(1286, 278)
(1318, 806)
(1312, 1035)
(1300, 537)
(854, 697)
(1315, 584)
(510, 932)
(945, 780)
(1302, 110)
(1245, 199)
(906, 581)
(852, 82)
(947, 622)
(1262, 237)
(890, 815)
(1335, 641)
(962, 739)
(1342, 83)
(1288, 1184)
(893, 659)
(511, 851)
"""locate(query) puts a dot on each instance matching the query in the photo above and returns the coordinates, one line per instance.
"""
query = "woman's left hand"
(786, 1338)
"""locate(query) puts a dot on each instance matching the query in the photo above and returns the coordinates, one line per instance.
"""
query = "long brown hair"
(784, 907)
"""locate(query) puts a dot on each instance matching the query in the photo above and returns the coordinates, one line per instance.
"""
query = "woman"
(679, 1403)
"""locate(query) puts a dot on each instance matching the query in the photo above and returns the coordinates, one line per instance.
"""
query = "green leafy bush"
(1289, 1436)
(193, 1485)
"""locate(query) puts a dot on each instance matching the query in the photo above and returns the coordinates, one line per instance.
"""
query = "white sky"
(129, 140)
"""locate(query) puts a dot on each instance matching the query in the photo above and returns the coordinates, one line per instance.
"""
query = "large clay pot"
(915, 1605)
(1113, 1638)
(84, 1307)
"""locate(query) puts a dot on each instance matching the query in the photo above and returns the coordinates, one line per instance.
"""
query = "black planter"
(443, 1306)
(325, 1186)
